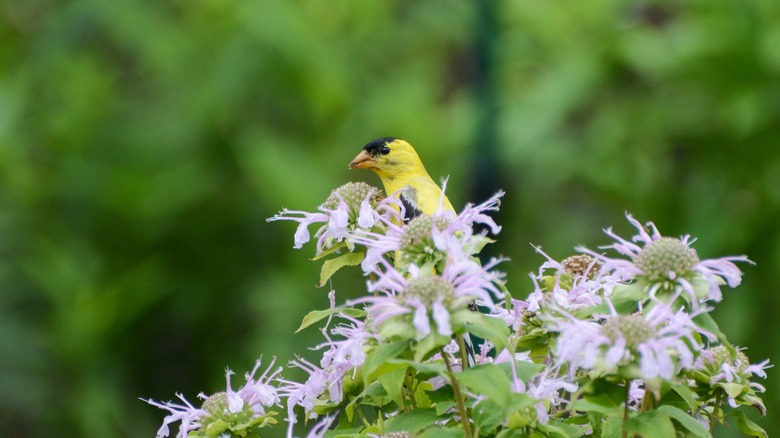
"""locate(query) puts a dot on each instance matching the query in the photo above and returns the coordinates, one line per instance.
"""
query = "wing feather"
(408, 197)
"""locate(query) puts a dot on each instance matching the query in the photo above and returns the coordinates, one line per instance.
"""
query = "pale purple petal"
(420, 320)
(366, 215)
(442, 318)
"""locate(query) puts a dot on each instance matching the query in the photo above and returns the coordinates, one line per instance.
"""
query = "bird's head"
(389, 158)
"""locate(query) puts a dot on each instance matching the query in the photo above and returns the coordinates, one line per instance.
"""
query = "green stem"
(464, 361)
(464, 419)
(714, 414)
(648, 401)
(625, 409)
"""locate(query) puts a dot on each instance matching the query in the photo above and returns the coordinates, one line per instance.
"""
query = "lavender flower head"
(430, 297)
(571, 288)
(239, 411)
(353, 206)
(660, 342)
(425, 240)
(717, 368)
(666, 263)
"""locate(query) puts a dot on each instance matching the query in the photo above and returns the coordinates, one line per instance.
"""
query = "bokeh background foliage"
(143, 143)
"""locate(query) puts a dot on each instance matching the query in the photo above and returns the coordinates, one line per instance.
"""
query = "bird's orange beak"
(364, 160)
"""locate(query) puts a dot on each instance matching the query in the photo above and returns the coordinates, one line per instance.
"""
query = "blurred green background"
(143, 144)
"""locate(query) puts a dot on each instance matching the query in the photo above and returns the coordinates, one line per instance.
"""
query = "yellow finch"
(402, 173)
(399, 167)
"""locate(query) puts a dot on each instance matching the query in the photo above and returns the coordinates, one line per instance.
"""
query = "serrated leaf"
(685, 420)
(412, 421)
(653, 423)
(330, 266)
(317, 315)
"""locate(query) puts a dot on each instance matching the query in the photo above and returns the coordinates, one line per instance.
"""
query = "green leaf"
(685, 420)
(706, 322)
(488, 380)
(393, 382)
(442, 432)
(490, 328)
(427, 344)
(624, 299)
(429, 368)
(613, 428)
(512, 433)
(317, 315)
(329, 267)
(395, 328)
(653, 423)
(748, 427)
(487, 415)
(601, 403)
(560, 429)
(443, 398)
(382, 354)
(732, 389)
(335, 248)
(412, 421)
(685, 392)
(525, 370)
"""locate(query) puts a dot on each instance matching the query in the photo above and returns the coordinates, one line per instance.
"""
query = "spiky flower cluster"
(602, 345)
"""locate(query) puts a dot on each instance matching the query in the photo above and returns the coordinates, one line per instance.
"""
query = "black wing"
(408, 197)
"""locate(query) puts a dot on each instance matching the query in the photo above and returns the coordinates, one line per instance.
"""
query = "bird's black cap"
(374, 147)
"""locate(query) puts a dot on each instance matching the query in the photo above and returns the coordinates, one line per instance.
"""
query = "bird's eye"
(385, 150)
